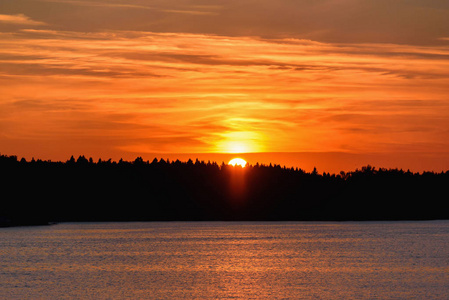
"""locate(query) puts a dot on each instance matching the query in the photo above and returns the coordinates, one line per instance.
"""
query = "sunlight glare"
(240, 142)
(235, 147)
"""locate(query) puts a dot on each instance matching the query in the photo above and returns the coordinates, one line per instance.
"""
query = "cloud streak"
(19, 19)
(98, 4)
(189, 10)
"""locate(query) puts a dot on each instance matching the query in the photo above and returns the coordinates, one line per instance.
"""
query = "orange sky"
(339, 83)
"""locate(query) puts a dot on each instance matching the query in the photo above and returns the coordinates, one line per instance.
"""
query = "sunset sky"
(335, 84)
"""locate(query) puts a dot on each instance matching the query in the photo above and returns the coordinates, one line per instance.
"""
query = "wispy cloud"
(19, 19)
(188, 12)
(192, 10)
(99, 4)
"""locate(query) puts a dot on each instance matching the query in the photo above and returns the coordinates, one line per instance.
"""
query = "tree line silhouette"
(38, 192)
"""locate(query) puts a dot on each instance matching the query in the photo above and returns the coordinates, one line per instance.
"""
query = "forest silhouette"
(39, 192)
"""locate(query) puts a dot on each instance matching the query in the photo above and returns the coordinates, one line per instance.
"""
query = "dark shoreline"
(221, 221)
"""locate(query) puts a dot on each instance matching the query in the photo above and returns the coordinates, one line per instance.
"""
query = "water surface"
(221, 260)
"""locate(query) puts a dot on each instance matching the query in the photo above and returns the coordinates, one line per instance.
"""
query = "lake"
(226, 260)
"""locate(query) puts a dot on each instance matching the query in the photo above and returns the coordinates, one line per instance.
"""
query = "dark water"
(214, 260)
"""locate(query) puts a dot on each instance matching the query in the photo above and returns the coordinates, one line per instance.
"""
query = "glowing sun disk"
(237, 162)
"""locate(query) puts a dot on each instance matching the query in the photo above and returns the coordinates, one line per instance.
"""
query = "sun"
(237, 162)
